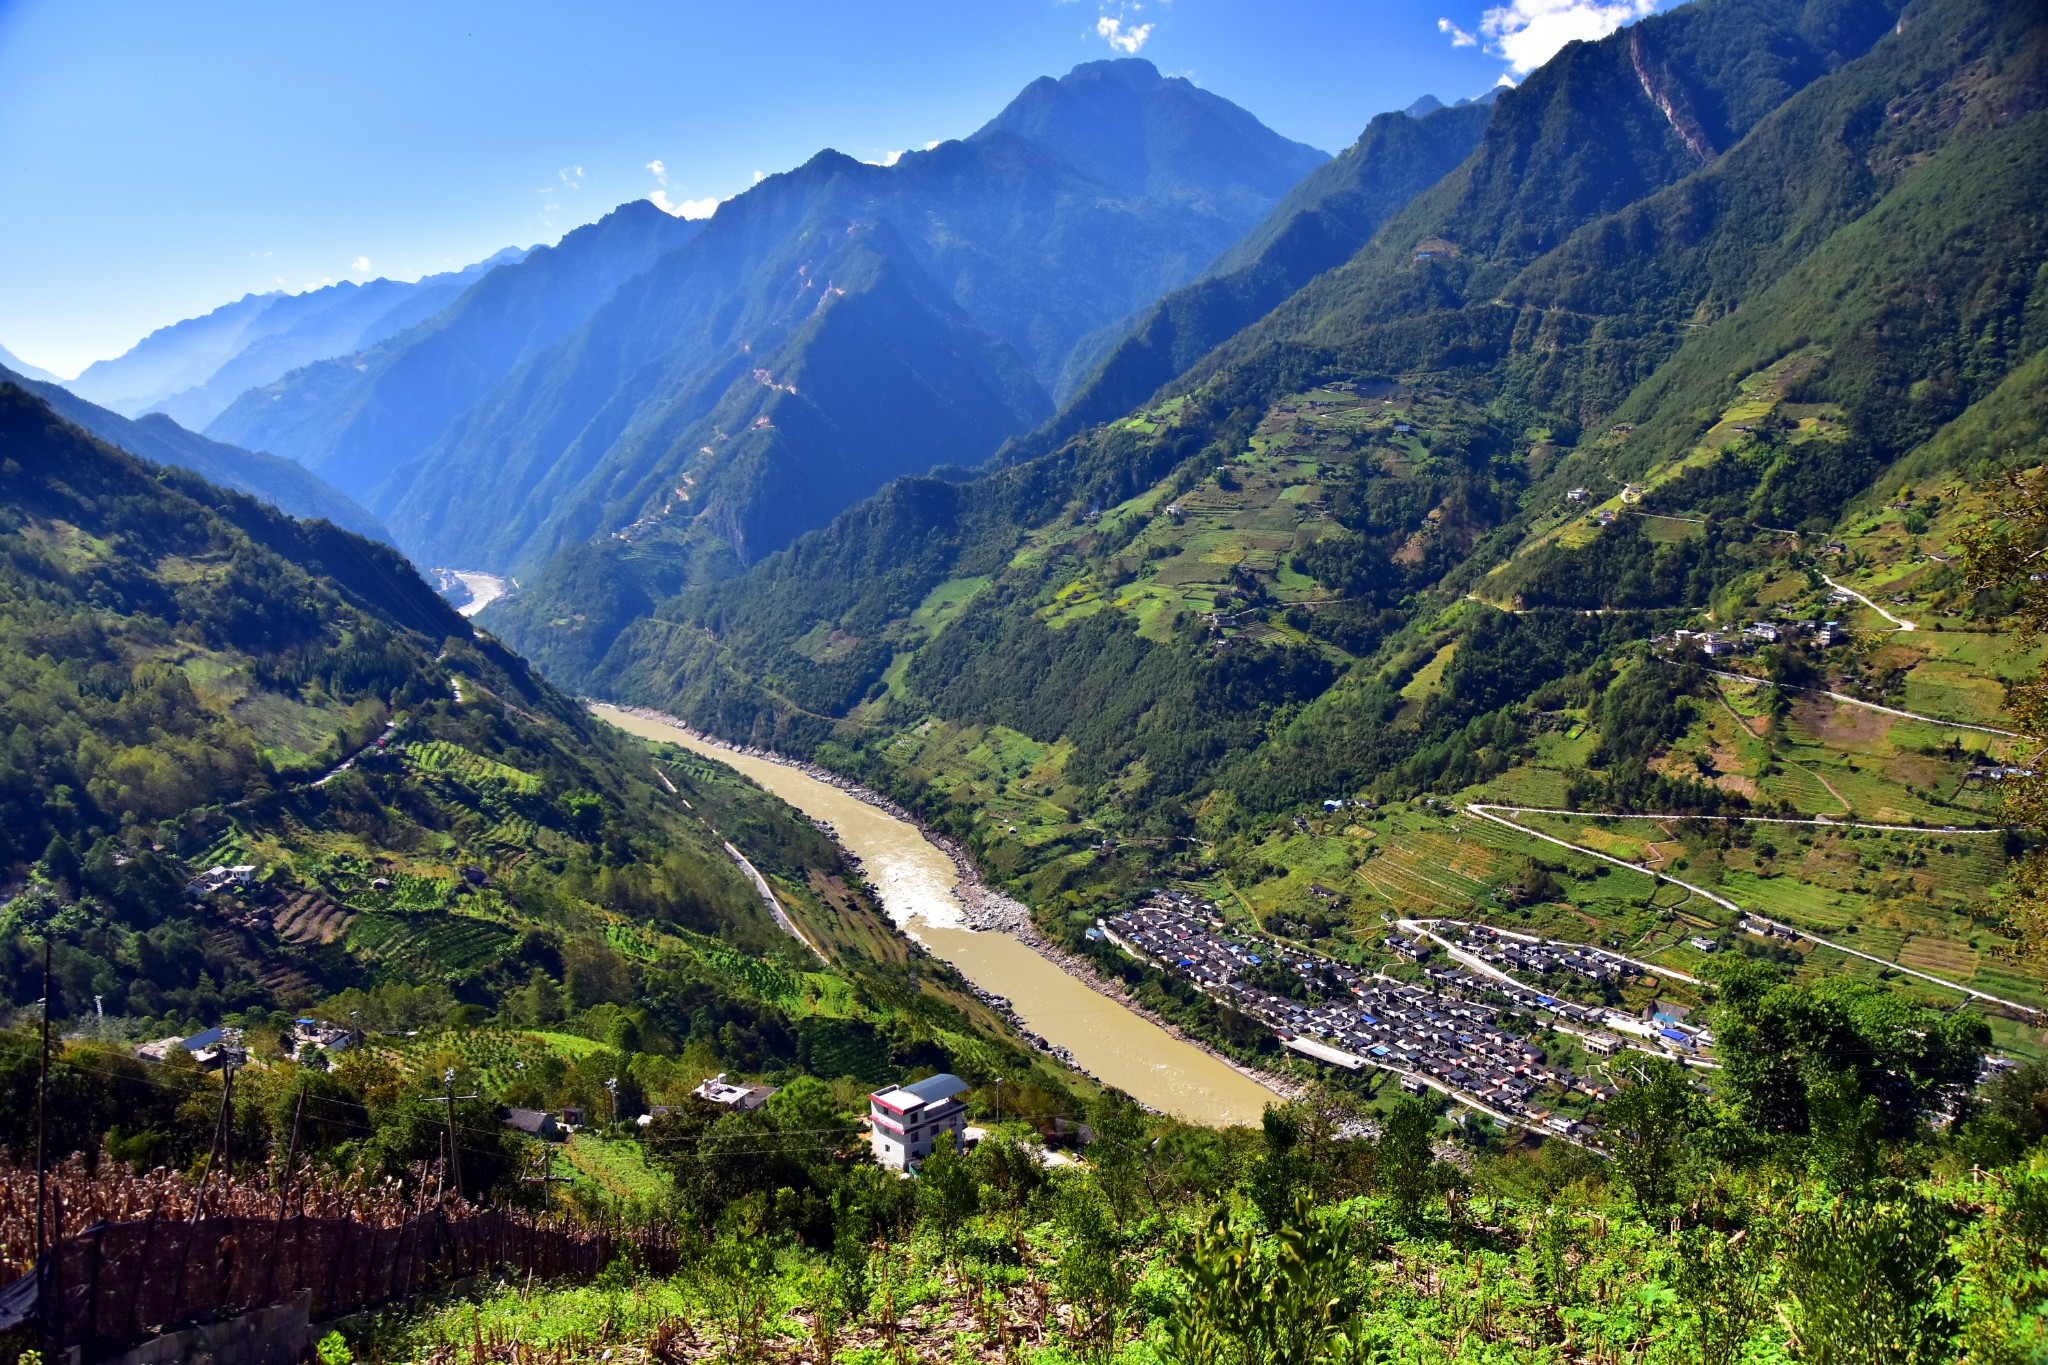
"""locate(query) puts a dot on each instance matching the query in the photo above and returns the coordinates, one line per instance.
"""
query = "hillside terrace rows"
(1446, 1031)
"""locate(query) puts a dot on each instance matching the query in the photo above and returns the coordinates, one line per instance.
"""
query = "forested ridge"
(435, 835)
(1548, 289)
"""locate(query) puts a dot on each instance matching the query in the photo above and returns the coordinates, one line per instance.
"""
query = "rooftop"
(930, 1090)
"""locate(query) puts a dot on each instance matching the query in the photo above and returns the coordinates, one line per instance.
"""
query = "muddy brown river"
(916, 883)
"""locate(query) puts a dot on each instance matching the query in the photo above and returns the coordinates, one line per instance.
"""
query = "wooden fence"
(116, 1283)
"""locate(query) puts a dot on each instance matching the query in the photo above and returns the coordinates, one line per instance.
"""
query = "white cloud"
(1459, 37)
(688, 208)
(361, 265)
(932, 144)
(660, 171)
(1124, 40)
(759, 176)
(1530, 32)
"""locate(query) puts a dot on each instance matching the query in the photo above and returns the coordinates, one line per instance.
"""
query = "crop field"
(1223, 547)
(1005, 780)
(459, 766)
(797, 994)
(431, 945)
(618, 1168)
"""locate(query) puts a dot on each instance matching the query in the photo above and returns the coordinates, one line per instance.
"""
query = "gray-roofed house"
(533, 1122)
(904, 1120)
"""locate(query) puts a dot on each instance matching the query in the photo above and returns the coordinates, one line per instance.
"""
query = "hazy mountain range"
(17, 365)
(195, 368)
(721, 387)
(284, 484)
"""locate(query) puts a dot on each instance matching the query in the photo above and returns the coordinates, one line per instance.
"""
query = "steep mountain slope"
(287, 486)
(1584, 136)
(356, 418)
(931, 305)
(17, 365)
(195, 368)
(1321, 223)
(744, 390)
(1445, 533)
(191, 679)
(1228, 593)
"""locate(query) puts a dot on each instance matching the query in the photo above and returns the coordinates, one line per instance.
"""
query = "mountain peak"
(1135, 73)
(1120, 122)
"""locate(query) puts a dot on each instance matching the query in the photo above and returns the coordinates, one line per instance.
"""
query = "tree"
(1290, 1301)
(1119, 1153)
(1282, 1171)
(1723, 1285)
(1405, 1155)
(1800, 1059)
(1647, 1125)
(1866, 1278)
(946, 1190)
(1093, 1275)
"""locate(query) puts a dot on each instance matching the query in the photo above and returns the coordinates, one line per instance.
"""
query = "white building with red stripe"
(904, 1121)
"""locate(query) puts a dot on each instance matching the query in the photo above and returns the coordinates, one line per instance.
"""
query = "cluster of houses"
(1445, 1034)
(1763, 928)
(211, 1048)
(1516, 952)
(220, 879)
(1671, 1024)
(1742, 639)
(223, 1045)
(1997, 772)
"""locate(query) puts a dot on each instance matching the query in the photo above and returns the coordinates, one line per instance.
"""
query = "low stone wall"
(281, 1334)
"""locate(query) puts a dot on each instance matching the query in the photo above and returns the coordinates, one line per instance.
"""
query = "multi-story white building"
(904, 1121)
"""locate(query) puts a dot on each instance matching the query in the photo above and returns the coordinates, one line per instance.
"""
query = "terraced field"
(309, 917)
(438, 758)
(433, 945)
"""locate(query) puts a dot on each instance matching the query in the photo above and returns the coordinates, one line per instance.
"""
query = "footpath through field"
(1488, 811)
(1868, 705)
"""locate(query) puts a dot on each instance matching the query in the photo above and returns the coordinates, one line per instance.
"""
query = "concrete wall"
(278, 1335)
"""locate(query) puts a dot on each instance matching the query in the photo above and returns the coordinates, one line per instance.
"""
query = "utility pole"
(223, 1132)
(547, 1177)
(454, 1151)
(42, 1140)
(291, 1154)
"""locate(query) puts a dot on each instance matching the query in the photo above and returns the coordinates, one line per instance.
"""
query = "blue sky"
(165, 158)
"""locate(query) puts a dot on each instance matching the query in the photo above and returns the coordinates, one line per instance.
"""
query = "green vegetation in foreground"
(1802, 1212)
